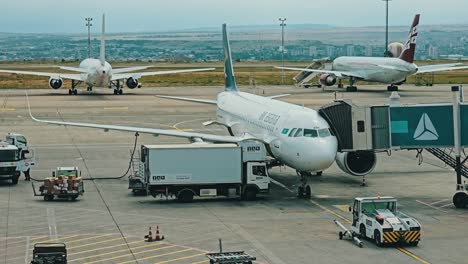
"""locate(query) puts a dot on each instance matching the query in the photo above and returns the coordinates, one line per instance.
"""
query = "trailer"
(205, 170)
(65, 183)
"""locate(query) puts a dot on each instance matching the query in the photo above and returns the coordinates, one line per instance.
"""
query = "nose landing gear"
(304, 191)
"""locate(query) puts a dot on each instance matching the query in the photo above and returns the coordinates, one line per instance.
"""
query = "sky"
(67, 16)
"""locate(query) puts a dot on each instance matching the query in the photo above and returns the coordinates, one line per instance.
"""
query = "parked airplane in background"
(393, 71)
(99, 73)
(293, 135)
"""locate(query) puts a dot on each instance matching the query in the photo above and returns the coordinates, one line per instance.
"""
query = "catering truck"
(205, 170)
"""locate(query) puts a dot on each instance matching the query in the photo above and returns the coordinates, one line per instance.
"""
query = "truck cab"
(9, 158)
(25, 153)
(378, 218)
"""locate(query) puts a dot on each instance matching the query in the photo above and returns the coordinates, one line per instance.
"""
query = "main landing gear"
(351, 87)
(89, 89)
(117, 87)
(73, 90)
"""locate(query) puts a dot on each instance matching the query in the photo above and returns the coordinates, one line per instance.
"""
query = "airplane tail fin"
(229, 78)
(410, 46)
(103, 41)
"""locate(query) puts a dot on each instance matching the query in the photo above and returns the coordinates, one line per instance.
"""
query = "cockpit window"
(298, 133)
(324, 132)
(310, 133)
(292, 132)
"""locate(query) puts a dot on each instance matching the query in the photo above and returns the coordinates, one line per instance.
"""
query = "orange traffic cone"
(149, 237)
(158, 237)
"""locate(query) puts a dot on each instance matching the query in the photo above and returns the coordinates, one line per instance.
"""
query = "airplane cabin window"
(310, 133)
(298, 133)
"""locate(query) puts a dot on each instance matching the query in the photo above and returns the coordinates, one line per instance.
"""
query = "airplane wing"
(440, 67)
(138, 75)
(339, 74)
(153, 131)
(75, 69)
(202, 101)
(55, 75)
(278, 96)
(130, 69)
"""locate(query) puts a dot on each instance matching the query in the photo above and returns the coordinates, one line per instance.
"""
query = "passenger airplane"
(293, 135)
(99, 73)
(393, 71)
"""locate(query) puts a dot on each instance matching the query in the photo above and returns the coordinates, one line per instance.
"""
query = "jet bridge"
(435, 128)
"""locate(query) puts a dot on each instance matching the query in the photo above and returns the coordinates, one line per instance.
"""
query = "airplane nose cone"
(320, 154)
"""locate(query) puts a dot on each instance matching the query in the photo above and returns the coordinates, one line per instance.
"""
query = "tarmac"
(108, 223)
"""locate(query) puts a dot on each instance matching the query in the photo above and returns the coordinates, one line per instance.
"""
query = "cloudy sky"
(54, 16)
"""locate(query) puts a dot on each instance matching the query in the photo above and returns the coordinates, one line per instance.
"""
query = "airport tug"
(378, 218)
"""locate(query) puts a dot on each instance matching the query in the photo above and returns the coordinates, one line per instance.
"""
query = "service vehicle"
(55, 253)
(15, 157)
(378, 218)
(201, 169)
(66, 183)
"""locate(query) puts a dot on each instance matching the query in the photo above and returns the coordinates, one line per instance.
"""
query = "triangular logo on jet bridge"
(425, 129)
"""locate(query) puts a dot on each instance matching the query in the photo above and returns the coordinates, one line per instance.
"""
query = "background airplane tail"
(102, 56)
(410, 46)
(229, 79)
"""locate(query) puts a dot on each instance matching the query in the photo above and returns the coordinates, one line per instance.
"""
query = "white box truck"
(205, 170)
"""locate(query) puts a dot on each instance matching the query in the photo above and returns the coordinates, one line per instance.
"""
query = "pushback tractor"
(378, 219)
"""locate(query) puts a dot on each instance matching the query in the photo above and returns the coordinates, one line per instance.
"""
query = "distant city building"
(433, 52)
(368, 52)
(313, 51)
(350, 50)
(331, 51)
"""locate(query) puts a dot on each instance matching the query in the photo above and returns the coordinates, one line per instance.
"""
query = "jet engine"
(357, 163)
(327, 79)
(133, 83)
(55, 83)
(395, 49)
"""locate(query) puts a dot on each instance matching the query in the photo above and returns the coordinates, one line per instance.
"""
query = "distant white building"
(331, 51)
(433, 52)
(350, 50)
(368, 52)
(313, 51)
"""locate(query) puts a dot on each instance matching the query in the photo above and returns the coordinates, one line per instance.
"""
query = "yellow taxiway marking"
(126, 255)
(110, 253)
(342, 207)
(412, 255)
(95, 243)
(38, 238)
(176, 259)
(157, 256)
(116, 108)
(7, 109)
(93, 237)
(59, 238)
(102, 248)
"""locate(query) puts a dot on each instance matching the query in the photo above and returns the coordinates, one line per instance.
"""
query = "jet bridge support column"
(460, 198)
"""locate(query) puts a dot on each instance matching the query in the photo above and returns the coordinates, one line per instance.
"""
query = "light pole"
(386, 28)
(88, 24)
(282, 20)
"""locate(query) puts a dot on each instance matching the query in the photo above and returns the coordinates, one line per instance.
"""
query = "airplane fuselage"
(374, 69)
(96, 75)
(273, 122)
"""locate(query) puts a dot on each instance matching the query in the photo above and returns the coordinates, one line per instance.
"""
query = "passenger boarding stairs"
(448, 159)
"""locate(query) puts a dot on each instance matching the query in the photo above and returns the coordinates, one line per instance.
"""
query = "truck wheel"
(414, 244)
(185, 196)
(250, 194)
(48, 197)
(460, 199)
(377, 240)
(300, 192)
(15, 179)
(362, 231)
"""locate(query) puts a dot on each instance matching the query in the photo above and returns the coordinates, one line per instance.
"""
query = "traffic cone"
(149, 237)
(158, 237)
